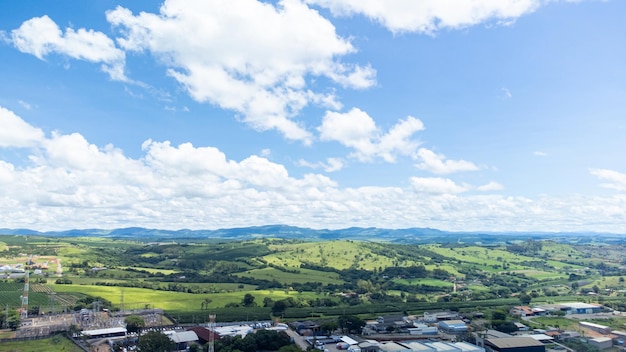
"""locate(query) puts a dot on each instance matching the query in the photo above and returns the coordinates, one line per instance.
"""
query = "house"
(539, 311)
(569, 334)
(514, 344)
(306, 328)
(521, 327)
(439, 316)
(543, 338)
(523, 311)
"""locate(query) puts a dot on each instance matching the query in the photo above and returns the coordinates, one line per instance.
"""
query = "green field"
(52, 344)
(135, 298)
(301, 276)
(327, 275)
(428, 282)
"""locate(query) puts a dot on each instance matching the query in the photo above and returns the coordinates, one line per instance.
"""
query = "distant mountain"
(409, 235)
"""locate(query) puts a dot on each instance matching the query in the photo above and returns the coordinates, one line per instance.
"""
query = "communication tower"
(24, 313)
(211, 332)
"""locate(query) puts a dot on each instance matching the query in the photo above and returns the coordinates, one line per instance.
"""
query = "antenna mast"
(24, 313)
(211, 332)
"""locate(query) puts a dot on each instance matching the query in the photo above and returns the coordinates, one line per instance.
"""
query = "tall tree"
(248, 300)
(134, 323)
(154, 341)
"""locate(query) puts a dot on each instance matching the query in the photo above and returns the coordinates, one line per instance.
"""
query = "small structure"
(391, 346)
(439, 316)
(453, 326)
(595, 327)
(104, 333)
(601, 343)
(183, 339)
(423, 329)
(580, 308)
(365, 346)
(203, 334)
(521, 327)
(233, 330)
(514, 344)
(523, 311)
(543, 338)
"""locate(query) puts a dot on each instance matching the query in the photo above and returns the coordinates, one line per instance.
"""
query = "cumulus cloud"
(614, 179)
(251, 57)
(15, 132)
(41, 36)
(437, 163)
(437, 185)
(68, 182)
(540, 153)
(357, 130)
(491, 186)
(430, 16)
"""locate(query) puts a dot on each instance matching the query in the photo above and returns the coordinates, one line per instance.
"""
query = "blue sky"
(474, 115)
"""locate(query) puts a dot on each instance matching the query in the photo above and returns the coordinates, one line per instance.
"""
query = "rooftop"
(511, 342)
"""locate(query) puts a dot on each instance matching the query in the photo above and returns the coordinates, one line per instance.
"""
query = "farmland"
(290, 277)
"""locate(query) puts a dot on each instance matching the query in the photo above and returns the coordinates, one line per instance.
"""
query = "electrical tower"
(24, 313)
(211, 332)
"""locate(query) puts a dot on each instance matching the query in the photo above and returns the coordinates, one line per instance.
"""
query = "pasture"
(136, 298)
(53, 344)
(298, 275)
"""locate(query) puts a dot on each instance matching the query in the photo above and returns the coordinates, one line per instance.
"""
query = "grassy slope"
(176, 301)
(302, 276)
(335, 254)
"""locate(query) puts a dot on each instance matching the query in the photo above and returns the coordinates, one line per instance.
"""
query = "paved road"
(299, 340)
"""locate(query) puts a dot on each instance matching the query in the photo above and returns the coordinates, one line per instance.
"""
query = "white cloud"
(539, 153)
(506, 93)
(437, 163)
(331, 164)
(491, 186)
(40, 36)
(25, 105)
(429, 16)
(437, 185)
(68, 182)
(357, 130)
(17, 133)
(615, 180)
(251, 57)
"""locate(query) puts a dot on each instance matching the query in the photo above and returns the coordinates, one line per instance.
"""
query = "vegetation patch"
(53, 344)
